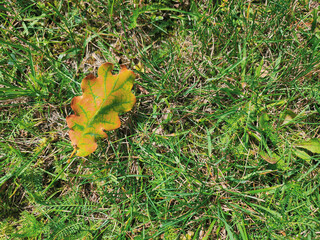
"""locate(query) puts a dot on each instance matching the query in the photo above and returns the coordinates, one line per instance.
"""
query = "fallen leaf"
(96, 111)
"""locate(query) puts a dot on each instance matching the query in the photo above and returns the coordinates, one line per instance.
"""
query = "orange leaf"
(96, 111)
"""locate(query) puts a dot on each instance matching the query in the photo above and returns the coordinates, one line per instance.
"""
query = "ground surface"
(221, 144)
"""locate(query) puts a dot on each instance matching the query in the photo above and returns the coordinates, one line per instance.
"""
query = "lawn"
(222, 143)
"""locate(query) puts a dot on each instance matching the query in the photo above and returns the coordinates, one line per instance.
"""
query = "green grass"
(216, 147)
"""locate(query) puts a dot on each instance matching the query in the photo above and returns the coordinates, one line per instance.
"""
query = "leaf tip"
(105, 68)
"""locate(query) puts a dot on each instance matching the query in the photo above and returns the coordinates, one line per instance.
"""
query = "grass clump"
(227, 101)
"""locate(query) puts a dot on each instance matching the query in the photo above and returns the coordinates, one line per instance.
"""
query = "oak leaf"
(96, 111)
